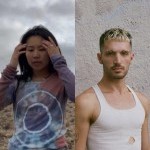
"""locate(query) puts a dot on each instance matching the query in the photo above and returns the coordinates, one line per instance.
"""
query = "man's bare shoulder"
(86, 100)
(87, 95)
(144, 100)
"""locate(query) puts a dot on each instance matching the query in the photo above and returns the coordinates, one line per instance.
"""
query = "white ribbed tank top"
(116, 129)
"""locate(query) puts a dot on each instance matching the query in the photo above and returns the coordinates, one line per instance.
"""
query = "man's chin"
(118, 76)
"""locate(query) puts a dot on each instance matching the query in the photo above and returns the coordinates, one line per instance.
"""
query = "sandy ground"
(6, 126)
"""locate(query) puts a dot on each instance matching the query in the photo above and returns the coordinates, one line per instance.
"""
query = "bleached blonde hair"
(116, 34)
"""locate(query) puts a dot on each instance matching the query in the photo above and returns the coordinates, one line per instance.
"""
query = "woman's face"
(37, 56)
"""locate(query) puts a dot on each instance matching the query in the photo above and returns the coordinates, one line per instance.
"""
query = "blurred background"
(92, 19)
(17, 17)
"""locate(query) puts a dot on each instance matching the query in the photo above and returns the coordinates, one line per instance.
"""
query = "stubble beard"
(116, 76)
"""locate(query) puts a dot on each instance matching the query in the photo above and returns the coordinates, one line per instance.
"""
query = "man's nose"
(117, 58)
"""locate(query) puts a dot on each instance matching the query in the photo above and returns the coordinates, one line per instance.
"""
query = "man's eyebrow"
(109, 50)
(126, 50)
(115, 51)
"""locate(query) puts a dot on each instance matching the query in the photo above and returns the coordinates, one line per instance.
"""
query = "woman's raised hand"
(51, 47)
(20, 49)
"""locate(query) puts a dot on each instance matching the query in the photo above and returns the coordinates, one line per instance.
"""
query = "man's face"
(116, 57)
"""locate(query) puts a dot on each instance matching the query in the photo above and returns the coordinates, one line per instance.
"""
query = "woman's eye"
(30, 50)
(41, 49)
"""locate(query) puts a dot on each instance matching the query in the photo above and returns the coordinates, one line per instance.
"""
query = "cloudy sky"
(18, 15)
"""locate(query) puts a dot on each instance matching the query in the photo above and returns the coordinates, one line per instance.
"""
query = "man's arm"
(145, 133)
(145, 136)
(83, 114)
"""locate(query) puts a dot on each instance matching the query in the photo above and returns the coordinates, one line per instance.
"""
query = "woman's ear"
(99, 57)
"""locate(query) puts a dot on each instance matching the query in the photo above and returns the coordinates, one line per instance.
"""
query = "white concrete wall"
(93, 17)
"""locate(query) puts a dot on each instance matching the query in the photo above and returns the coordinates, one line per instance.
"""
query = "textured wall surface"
(93, 17)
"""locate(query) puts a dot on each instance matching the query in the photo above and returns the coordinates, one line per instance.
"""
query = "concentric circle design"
(36, 109)
(39, 119)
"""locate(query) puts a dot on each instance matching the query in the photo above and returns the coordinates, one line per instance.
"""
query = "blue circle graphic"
(39, 119)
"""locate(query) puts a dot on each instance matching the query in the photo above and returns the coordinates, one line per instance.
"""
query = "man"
(110, 115)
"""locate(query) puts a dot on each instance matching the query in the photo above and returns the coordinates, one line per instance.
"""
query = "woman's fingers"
(51, 41)
(51, 48)
(49, 44)
(20, 47)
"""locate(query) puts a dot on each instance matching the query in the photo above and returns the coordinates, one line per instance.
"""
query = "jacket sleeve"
(65, 75)
(7, 86)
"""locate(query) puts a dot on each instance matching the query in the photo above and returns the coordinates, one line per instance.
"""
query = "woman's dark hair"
(25, 69)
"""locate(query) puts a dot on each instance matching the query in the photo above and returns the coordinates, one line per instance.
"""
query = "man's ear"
(99, 57)
(132, 56)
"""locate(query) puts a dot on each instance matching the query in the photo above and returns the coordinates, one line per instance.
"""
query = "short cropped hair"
(116, 34)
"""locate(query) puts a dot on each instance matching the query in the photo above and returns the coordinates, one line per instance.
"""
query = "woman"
(39, 94)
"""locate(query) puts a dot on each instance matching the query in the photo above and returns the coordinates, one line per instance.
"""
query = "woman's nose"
(36, 53)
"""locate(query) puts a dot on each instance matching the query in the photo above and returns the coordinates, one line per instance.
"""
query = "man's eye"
(109, 53)
(124, 53)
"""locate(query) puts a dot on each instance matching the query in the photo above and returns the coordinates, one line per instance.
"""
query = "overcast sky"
(19, 15)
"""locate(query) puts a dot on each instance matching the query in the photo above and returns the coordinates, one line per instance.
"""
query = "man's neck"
(115, 85)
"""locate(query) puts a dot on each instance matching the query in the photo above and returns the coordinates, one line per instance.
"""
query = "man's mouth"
(117, 68)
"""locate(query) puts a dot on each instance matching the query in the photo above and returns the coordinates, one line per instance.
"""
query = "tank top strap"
(138, 102)
(99, 95)
(134, 94)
